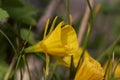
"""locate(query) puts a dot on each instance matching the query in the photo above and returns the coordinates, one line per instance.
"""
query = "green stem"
(21, 75)
(72, 69)
(68, 11)
(20, 53)
(81, 59)
(91, 14)
(90, 26)
(18, 62)
(23, 55)
(53, 70)
(112, 74)
(9, 41)
(14, 59)
(108, 67)
(25, 41)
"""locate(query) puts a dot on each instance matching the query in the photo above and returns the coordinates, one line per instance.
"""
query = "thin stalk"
(17, 64)
(113, 72)
(25, 41)
(90, 6)
(23, 55)
(107, 68)
(13, 47)
(20, 53)
(84, 48)
(14, 58)
(10, 68)
(84, 22)
(72, 68)
(53, 70)
(90, 25)
(92, 15)
(68, 11)
(25, 61)
(21, 75)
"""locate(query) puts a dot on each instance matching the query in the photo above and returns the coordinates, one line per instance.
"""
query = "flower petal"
(69, 38)
(52, 44)
(46, 27)
(53, 24)
(90, 70)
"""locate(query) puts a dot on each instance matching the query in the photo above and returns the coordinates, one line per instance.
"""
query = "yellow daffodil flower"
(61, 41)
(89, 70)
(112, 66)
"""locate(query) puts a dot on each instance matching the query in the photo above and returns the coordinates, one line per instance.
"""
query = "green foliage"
(24, 35)
(3, 14)
(21, 14)
(3, 69)
(20, 11)
(12, 3)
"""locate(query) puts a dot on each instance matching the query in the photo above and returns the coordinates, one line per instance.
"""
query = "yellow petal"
(90, 70)
(69, 39)
(52, 44)
(53, 24)
(117, 71)
(46, 27)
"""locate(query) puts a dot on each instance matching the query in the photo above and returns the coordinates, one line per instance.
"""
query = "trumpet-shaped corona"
(89, 70)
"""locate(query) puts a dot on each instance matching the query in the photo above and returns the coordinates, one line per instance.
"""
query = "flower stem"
(68, 11)
(53, 70)
(13, 47)
(14, 58)
(19, 57)
(90, 25)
